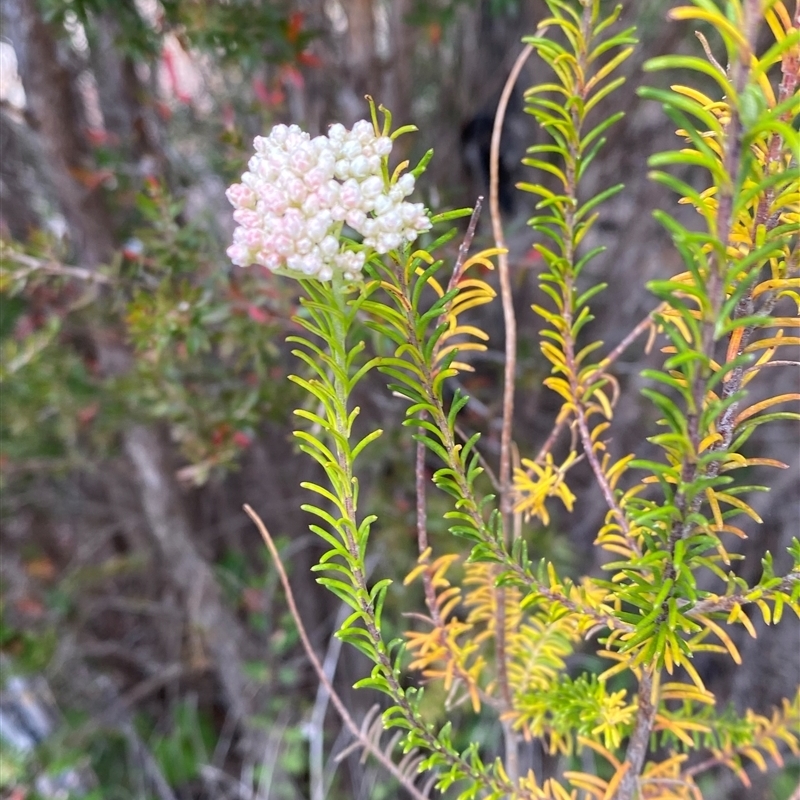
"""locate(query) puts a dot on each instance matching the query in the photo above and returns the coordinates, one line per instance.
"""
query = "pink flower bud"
(296, 190)
(316, 228)
(337, 132)
(296, 263)
(315, 178)
(275, 201)
(278, 134)
(350, 195)
(327, 163)
(382, 146)
(329, 194)
(313, 264)
(252, 238)
(239, 255)
(261, 144)
(342, 169)
(351, 149)
(406, 184)
(311, 205)
(301, 160)
(241, 196)
(391, 222)
(246, 217)
(250, 180)
(303, 246)
(383, 205)
(272, 261)
(388, 241)
(284, 245)
(359, 167)
(355, 218)
(329, 247)
(363, 132)
(372, 187)
(293, 223)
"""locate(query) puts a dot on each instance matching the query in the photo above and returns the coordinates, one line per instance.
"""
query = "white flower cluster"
(298, 193)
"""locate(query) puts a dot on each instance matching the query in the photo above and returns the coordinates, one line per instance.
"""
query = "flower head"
(299, 192)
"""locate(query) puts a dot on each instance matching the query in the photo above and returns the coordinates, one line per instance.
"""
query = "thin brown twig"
(550, 441)
(348, 720)
(31, 264)
(509, 377)
(640, 737)
(629, 339)
(602, 480)
(759, 367)
(716, 604)
(466, 243)
(673, 782)
(506, 295)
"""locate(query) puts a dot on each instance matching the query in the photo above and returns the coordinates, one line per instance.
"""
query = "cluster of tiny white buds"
(299, 192)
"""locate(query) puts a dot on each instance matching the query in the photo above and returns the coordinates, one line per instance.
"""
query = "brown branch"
(602, 480)
(463, 248)
(509, 319)
(726, 603)
(674, 782)
(629, 339)
(348, 720)
(31, 265)
(759, 367)
(550, 441)
(704, 766)
(509, 377)
(640, 738)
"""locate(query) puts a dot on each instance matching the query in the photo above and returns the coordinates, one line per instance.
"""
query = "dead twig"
(509, 378)
(30, 265)
(338, 704)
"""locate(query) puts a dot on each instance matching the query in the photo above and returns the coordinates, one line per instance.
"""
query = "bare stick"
(31, 264)
(637, 744)
(602, 480)
(631, 337)
(550, 441)
(509, 319)
(349, 722)
(463, 248)
(509, 376)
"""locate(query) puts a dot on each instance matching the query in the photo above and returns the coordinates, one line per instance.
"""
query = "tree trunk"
(55, 108)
